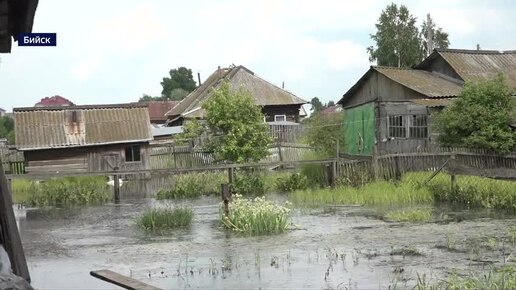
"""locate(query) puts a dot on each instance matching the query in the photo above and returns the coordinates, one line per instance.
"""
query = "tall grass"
(68, 191)
(165, 218)
(375, 193)
(471, 191)
(494, 278)
(292, 182)
(193, 185)
(409, 215)
(20, 190)
(256, 216)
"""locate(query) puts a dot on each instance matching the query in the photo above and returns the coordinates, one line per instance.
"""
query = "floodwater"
(332, 248)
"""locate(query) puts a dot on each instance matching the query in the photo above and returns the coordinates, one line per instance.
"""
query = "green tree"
(178, 94)
(429, 32)
(240, 135)
(479, 117)
(317, 106)
(397, 38)
(180, 78)
(323, 131)
(7, 129)
(149, 98)
(330, 104)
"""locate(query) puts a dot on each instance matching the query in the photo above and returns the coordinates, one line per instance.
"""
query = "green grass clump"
(256, 216)
(69, 191)
(494, 278)
(471, 191)
(20, 190)
(409, 215)
(193, 185)
(249, 183)
(375, 193)
(292, 182)
(165, 218)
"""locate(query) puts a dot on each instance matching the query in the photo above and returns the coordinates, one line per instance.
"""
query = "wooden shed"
(83, 138)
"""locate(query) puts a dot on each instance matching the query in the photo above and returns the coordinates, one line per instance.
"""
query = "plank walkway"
(121, 280)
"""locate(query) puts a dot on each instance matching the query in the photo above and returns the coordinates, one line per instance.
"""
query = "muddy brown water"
(332, 248)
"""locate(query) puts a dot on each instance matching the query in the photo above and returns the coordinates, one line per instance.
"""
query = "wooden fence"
(12, 161)
(164, 156)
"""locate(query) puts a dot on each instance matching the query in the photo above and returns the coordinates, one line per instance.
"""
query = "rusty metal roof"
(263, 92)
(58, 127)
(158, 109)
(426, 83)
(478, 65)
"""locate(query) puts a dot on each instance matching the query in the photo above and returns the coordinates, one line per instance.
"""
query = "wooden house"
(83, 138)
(389, 109)
(278, 105)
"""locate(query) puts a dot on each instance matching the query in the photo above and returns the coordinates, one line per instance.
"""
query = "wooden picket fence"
(12, 161)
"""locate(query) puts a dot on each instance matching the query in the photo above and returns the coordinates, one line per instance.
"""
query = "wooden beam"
(9, 235)
(121, 280)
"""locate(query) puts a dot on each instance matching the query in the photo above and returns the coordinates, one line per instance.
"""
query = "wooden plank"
(9, 235)
(121, 280)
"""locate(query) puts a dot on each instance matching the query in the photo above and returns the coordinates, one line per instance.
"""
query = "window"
(132, 153)
(280, 118)
(397, 126)
(418, 126)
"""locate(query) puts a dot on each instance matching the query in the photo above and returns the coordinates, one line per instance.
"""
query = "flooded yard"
(328, 248)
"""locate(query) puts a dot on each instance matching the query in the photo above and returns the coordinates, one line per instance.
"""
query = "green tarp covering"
(359, 129)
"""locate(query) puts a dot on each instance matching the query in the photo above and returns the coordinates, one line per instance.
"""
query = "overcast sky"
(115, 51)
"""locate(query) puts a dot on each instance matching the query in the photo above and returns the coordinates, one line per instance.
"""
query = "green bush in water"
(69, 191)
(193, 185)
(256, 216)
(165, 218)
(409, 215)
(292, 182)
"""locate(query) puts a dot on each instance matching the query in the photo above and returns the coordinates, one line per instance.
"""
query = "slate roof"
(263, 92)
(477, 65)
(53, 127)
(54, 101)
(158, 109)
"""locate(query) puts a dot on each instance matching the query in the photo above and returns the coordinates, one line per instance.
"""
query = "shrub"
(69, 191)
(295, 181)
(193, 185)
(165, 218)
(255, 216)
(21, 190)
(249, 183)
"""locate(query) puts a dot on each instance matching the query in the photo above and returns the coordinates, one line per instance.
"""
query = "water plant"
(20, 190)
(409, 215)
(192, 185)
(165, 218)
(249, 183)
(292, 182)
(256, 216)
(69, 191)
(375, 193)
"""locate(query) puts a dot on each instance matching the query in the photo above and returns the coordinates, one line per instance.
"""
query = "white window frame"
(284, 118)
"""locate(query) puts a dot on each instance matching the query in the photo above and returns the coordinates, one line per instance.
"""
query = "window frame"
(421, 126)
(132, 155)
(397, 128)
(284, 118)
(409, 125)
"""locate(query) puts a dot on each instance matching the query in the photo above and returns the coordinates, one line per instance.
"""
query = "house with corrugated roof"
(389, 109)
(88, 138)
(278, 104)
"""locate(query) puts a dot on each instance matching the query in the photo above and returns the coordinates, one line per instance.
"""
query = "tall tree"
(180, 78)
(479, 118)
(397, 38)
(149, 98)
(317, 106)
(240, 135)
(330, 104)
(7, 129)
(177, 94)
(432, 36)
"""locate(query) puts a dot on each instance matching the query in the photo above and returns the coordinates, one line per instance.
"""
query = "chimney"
(199, 78)
(282, 85)
(478, 46)
(429, 35)
(218, 68)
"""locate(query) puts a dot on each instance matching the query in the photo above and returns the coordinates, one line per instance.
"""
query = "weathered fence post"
(231, 174)
(9, 235)
(174, 155)
(116, 187)
(279, 151)
(331, 169)
(226, 196)
(453, 178)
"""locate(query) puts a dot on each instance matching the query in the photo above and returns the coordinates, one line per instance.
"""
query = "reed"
(256, 216)
(20, 190)
(409, 215)
(193, 185)
(165, 218)
(69, 191)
